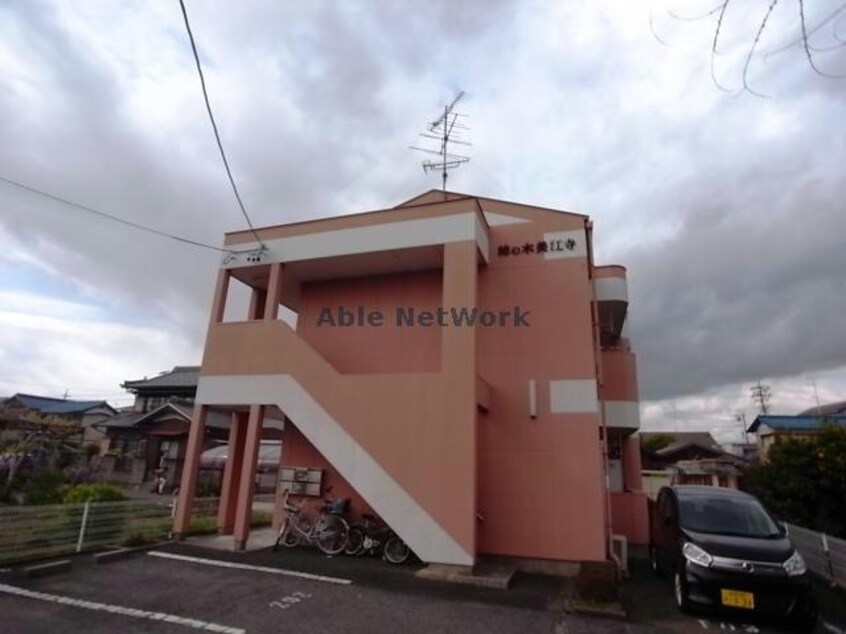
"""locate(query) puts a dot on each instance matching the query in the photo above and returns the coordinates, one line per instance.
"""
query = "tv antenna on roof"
(445, 129)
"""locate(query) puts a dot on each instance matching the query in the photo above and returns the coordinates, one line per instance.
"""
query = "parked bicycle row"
(332, 533)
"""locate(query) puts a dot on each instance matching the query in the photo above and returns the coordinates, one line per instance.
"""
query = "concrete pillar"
(274, 292)
(278, 508)
(258, 299)
(221, 290)
(190, 469)
(632, 472)
(458, 367)
(232, 474)
(246, 487)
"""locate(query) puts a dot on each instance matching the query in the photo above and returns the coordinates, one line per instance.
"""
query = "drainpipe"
(597, 346)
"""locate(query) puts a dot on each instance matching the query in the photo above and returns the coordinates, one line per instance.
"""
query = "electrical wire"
(108, 216)
(214, 125)
(87, 390)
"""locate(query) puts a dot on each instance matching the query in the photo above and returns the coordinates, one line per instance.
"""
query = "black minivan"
(722, 549)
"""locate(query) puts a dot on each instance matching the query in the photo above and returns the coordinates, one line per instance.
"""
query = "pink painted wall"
(299, 452)
(419, 427)
(541, 480)
(367, 349)
(632, 475)
(630, 516)
(619, 374)
(549, 468)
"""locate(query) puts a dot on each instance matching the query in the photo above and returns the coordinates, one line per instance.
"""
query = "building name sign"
(541, 246)
(409, 316)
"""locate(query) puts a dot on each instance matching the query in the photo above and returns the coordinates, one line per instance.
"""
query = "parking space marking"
(123, 611)
(287, 601)
(832, 628)
(750, 629)
(237, 566)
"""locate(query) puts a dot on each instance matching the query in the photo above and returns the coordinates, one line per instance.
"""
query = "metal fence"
(31, 532)
(824, 555)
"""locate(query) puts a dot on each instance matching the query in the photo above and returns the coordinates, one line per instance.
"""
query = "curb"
(50, 568)
(124, 553)
(607, 611)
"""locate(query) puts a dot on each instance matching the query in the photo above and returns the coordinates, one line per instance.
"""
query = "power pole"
(761, 395)
(740, 417)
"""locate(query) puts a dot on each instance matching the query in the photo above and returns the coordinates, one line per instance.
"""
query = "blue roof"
(796, 423)
(47, 405)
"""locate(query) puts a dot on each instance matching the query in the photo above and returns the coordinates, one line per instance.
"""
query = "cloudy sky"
(727, 208)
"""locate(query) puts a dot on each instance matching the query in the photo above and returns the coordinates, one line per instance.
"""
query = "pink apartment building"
(456, 367)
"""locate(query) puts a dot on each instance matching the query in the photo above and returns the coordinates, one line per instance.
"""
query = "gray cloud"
(727, 211)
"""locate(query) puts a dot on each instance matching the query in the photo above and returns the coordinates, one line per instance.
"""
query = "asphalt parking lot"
(178, 588)
(649, 599)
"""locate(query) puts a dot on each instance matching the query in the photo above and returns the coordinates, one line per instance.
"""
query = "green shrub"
(207, 490)
(204, 525)
(44, 487)
(261, 518)
(93, 493)
(135, 540)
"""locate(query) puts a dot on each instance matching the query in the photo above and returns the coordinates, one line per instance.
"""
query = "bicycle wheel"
(298, 526)
(290, 538)
(355, 541)
(396, 550)
(331, 534)
(281, 534)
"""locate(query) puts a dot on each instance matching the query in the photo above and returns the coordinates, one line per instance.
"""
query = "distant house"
(149, 439)
(830, 409)
(746, 450)
(772, 429)
(84, 414)
(687, 458)
(179, 383)
(144, 445)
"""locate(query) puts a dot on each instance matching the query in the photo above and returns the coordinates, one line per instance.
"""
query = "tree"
(804, 481)
(39, 439)
(805, 36)
(656, 443)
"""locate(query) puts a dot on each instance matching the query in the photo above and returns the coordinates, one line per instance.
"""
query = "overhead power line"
(108, 216)
(214, 125)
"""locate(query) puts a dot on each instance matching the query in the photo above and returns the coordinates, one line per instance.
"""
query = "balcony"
(612, 297)
(619, 389)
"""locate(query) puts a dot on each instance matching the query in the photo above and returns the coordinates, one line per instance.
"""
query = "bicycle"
(328, 531)
(370, 538)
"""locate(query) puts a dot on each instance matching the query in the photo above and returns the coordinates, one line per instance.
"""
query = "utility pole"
(740, 417)
(761, 395)
(816, 395)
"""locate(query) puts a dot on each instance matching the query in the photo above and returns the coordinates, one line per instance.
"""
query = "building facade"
(148, 441)
(84, 415)
(772, 429)
(454, 364)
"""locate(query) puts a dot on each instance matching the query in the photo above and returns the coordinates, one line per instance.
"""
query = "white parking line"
(231, 564)
(832, 628)
(123, 611)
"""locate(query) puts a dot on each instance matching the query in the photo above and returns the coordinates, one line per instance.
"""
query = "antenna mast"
(445, 129)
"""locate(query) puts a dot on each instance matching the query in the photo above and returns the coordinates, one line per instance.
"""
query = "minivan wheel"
(680, 592)
(806, 621)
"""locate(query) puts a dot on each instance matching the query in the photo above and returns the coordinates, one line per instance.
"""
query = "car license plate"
(737, 599)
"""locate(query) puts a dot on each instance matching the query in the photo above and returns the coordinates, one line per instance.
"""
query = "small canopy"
(269, 453)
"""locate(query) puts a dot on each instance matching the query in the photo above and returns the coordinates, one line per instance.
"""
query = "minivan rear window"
(739, 516)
